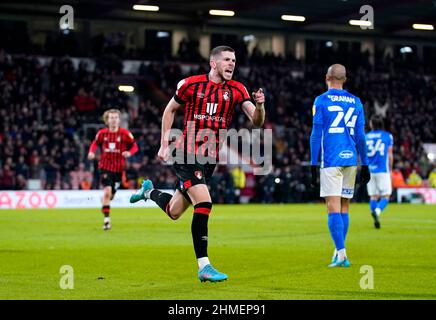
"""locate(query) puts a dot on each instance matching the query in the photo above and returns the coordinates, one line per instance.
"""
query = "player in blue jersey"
(337, 139)
(380, 157)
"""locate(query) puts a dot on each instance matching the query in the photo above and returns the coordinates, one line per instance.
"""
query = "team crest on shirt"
(200, 95)
(226, 95)
(198, 174)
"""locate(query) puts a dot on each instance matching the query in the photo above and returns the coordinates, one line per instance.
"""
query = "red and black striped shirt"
(113, 144)
(209, 107)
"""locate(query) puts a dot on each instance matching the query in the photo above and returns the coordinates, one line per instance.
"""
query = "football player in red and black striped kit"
(208, 102)
(116, 145)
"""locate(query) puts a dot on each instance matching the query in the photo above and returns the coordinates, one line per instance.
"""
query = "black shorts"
(192, 174)
(110, 179)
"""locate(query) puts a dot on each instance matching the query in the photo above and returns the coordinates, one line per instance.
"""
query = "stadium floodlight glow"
(224, 13)
(162, 34)
(287, 17)
(419, 26)
(141, 7)
(64, 26)
(361, 23)
(125, 88)
(248, 38)
(406, 50)
(329, 44)
(431, 156)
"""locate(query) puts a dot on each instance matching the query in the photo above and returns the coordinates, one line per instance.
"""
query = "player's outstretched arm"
(256, 113)
(167, 123)
(92, 150)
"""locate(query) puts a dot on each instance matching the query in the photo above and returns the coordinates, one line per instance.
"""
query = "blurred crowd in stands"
(50, 113)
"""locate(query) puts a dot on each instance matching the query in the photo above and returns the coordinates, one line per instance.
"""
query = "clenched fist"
(126, 154)
(163, 153)
(259, 97)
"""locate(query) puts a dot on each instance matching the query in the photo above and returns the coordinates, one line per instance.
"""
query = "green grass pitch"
(268, 252)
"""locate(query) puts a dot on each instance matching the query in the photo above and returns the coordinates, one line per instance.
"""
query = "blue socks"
(336, 227)
(346, 222)
(382, 204)
(372, 205)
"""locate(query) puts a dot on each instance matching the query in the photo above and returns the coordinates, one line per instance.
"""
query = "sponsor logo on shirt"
(107, 150)
(198, 174)
(211, 108)
(226, 95)
(346, 154)
(208, 117)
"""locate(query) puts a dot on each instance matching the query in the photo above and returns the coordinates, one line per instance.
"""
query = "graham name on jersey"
(373, 135)
(341, 98)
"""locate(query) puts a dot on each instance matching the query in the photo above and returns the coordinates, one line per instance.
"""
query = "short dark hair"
(217, 50)
(377, 122)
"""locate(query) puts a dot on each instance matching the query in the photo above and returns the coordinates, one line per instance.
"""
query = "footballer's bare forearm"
(168, 120)
(391, 159)
(258, 116)
(167, 123)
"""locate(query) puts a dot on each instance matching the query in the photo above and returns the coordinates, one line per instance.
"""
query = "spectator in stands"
(85, 102)
(20, 183)
(131, 176)
(432, 178)
(381, 109)
(238, 176)
(81, 178)
(414, 179)
(21, 168)
(7, 179)
(51, 169)
(398, 178)
(267, 186)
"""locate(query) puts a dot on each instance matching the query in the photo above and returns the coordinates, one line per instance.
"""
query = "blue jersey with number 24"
(340, 113)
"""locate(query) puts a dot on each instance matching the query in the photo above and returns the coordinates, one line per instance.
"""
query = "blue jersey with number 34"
(340, 113)
(378, 143)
